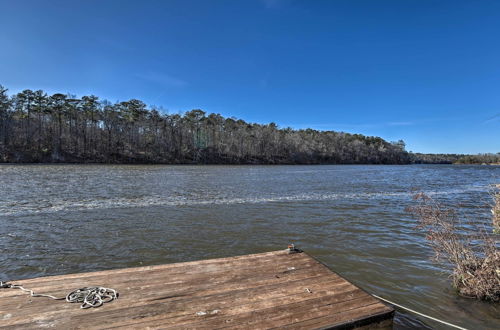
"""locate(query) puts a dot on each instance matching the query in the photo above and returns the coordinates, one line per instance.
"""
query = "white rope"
(93, 296)
(88, 297)
(15, 286)
(413, 311)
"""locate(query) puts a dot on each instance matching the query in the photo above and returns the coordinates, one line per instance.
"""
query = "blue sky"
(424, 71)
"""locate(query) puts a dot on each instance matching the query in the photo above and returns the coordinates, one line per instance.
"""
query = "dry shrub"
(471, 250)
(496, 210)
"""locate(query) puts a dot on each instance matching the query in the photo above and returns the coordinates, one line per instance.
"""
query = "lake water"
(57, 219)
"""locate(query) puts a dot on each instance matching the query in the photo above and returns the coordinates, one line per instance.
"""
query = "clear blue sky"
(424, 71)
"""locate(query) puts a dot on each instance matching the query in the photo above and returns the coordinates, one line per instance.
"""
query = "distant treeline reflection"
(36, 127)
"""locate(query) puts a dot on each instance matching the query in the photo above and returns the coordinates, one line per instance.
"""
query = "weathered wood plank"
(258, 291)
(189, 265)
(138, 273)
(159, 275)
(235, 278)
(203, 294)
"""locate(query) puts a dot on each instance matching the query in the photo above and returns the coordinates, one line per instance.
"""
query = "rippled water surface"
(57, 219)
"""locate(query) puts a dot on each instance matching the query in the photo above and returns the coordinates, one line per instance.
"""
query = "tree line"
(37, 127)
(485, 158)
(480, 159)
(420, 158)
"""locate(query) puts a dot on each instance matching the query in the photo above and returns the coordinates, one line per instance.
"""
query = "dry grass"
(471, 250)
(496, 210)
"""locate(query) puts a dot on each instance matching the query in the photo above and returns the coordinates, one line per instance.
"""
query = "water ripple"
(42, 206)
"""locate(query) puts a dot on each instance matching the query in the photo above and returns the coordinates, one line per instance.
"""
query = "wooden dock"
(258, 291)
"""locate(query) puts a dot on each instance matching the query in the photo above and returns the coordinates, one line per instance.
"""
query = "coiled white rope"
(93, 296)
(418, 313)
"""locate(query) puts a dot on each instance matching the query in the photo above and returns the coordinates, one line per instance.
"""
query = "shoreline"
(224, 164)
(238, 164)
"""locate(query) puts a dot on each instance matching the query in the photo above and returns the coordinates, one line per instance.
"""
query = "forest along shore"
(38, 128)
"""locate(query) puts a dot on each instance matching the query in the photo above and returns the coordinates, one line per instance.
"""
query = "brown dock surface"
(258, 291)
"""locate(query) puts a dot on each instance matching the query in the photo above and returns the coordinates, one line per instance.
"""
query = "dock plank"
(258, 291)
